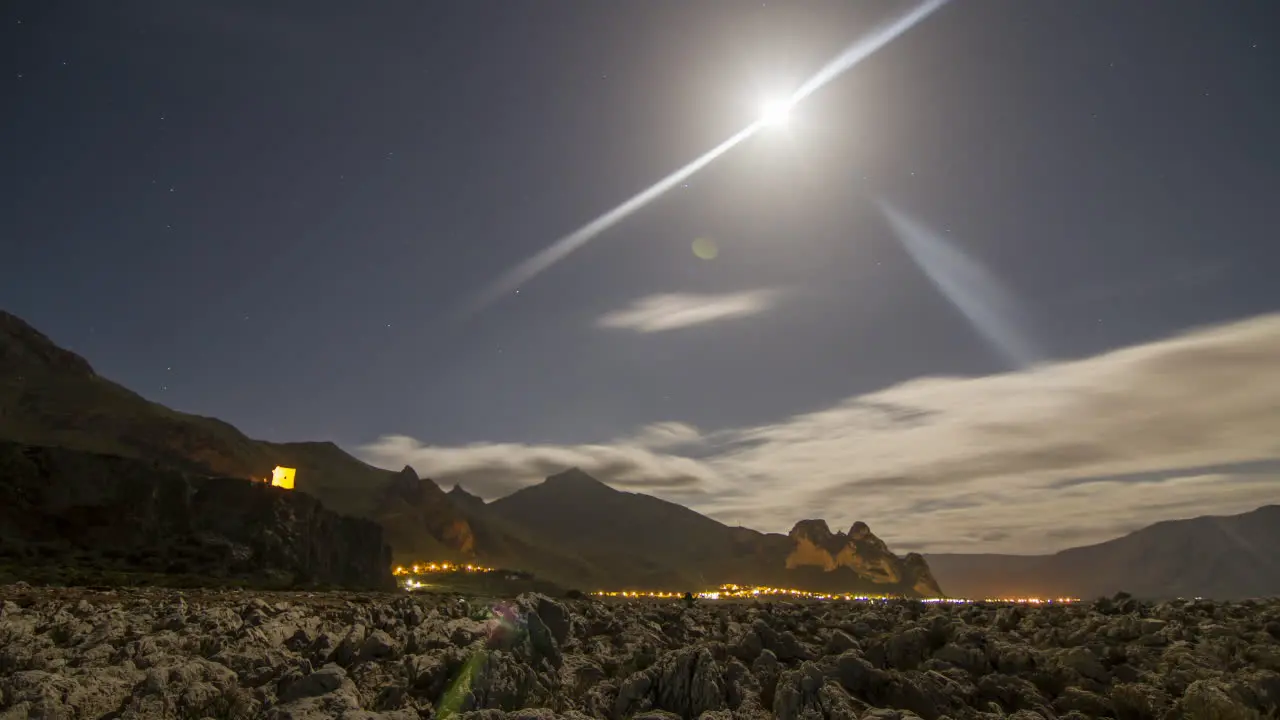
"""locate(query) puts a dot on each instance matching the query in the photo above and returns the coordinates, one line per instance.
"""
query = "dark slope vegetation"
(52, 397)
(1234, 556)
(69, 515)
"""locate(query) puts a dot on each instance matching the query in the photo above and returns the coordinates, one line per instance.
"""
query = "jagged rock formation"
(89, 512)
(861, 552)
(463, 499)
(921, 575)
(420, 522)
(616, 530)
(147, 653)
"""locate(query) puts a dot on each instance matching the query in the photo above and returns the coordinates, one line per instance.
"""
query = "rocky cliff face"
(860, 551)
(99, 512)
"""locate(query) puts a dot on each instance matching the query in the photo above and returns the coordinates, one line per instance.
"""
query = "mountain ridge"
(52, 397)
(673, 546)
(63, 402)
(1221, 556)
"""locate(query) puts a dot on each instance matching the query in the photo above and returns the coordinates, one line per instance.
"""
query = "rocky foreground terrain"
(80, 653)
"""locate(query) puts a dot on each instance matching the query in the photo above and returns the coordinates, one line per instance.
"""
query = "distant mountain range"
(579, 532)
(1233, 556)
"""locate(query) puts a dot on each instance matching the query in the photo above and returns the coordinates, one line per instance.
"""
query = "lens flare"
(504, 627)
(705, 248)
(970, 287)
(560, 249)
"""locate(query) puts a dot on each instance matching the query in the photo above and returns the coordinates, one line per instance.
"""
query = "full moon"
(775, 112)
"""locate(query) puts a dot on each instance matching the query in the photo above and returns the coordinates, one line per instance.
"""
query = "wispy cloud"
(496, 469)
(661, 435)
(1057, 455)
(670, 311)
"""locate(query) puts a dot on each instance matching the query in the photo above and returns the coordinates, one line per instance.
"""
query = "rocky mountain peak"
(22, 347)
(817, 534)
(460, 497)
(575, 478)
(858, 550)
(923, 581)
(408, 485)
(816, 528)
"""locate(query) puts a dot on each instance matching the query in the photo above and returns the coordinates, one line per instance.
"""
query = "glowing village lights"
(728, 591)
(425, 568)
(731, 592)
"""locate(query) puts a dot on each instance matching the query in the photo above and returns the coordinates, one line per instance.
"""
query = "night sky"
(271, 213)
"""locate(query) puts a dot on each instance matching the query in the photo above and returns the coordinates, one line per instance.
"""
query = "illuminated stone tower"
(283, 477)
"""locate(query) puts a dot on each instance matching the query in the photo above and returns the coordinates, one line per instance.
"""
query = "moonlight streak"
(775, 114)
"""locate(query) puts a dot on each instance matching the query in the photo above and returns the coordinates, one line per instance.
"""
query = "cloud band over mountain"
(1035, 460)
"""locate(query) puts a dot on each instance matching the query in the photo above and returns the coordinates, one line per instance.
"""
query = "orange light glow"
(440, 567)
(726, 592)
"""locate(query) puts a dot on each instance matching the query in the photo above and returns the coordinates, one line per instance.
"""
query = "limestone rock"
(78, 653)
